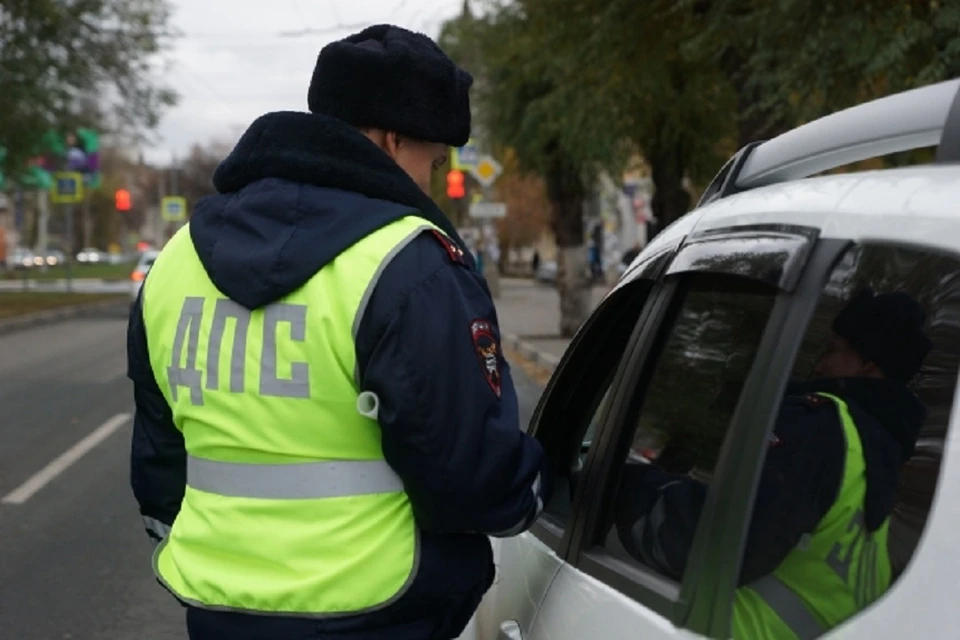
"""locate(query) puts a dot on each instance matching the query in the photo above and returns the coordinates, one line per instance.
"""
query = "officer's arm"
(657, 515)
(158, 457)
(450, 424)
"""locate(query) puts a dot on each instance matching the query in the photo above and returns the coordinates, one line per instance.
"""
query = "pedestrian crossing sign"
(173, 209)
(67, 188)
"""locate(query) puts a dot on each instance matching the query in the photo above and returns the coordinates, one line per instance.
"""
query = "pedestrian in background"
(326, 430)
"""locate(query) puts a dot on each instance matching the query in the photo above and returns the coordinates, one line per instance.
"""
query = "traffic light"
(122, 198)
(455, 184)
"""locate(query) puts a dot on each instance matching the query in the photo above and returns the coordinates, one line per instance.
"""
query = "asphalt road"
(74, 560)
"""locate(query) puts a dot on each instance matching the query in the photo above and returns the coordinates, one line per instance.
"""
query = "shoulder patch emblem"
(488, 352)
(454, 252)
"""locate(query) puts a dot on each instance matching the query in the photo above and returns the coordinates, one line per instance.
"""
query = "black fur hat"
(887, 328)
(390, 78)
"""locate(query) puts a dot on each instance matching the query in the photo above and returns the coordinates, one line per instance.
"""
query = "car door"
(732, 301)
(565, 422)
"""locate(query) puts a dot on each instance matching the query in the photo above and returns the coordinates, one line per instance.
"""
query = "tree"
(798, 64)
(524, 103)
(195, 173)
(56, 58)
(674, 107)
(528, 210)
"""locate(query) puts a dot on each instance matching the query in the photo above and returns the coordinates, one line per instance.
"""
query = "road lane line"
(43, 477)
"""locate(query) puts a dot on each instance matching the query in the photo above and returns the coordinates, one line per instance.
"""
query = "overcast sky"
(238, 59)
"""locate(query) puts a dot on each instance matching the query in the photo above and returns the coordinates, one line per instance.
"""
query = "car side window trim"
(650, 268)
(559, 538)
(599, 462)
(775, 254)
(718, 549)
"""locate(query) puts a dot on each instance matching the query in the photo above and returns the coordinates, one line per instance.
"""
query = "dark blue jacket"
(297, 191)
(799, 482)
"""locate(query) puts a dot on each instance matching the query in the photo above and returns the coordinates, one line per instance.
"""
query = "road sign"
(487, 171)
(466, 157)
(488, 210)
(173, 209)
(67, 188)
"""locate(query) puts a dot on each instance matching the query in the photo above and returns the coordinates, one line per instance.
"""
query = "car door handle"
(510, 630)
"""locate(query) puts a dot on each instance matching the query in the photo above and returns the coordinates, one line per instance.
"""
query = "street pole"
(43, 220)
(159, 223)
(68, 245)
(87, 222)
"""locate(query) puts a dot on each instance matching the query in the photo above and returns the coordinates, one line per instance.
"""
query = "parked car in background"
(20, 258)
(91, 255)
(52, 258)
(147, 258)
(546, 271)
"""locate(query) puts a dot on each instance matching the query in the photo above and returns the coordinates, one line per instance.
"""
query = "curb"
(53, 316)
(541, 359)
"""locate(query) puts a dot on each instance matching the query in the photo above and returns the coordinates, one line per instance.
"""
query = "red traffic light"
(122, 198)
(455, 184)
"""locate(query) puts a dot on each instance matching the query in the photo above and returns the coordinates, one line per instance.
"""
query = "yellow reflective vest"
(290, 507)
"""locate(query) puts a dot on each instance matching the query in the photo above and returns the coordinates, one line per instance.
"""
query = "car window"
(680, 417)
(571, 409)
(932, 283)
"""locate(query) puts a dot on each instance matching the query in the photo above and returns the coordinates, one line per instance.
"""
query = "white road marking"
(43, 477)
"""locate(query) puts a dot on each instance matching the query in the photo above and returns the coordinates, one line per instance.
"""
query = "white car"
(140, 272)
(699, 339)
(91, 255)
(20, 258)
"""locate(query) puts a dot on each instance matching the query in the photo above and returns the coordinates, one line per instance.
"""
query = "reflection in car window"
(934, 282)
(840, 507)
(684, 417)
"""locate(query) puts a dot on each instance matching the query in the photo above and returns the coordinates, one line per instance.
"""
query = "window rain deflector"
(772, 254)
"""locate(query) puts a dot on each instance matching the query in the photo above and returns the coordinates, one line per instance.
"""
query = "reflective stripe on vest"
(789, 606)
(297, 481)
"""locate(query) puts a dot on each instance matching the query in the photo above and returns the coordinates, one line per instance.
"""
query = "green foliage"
(59, 62)
(686, 82)
(801, 63)
(525, 96)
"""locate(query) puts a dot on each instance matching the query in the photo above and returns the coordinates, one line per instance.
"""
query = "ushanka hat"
(387, 77)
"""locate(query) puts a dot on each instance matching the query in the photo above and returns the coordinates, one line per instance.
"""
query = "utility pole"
(158, 224)
(68, 245)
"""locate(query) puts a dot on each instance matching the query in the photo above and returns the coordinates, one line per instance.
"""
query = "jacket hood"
(296, 191)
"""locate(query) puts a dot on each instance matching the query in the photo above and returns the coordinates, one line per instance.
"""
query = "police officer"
(326, 430)
(816, 550)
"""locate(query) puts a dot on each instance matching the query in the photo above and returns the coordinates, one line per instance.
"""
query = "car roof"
(911, 205)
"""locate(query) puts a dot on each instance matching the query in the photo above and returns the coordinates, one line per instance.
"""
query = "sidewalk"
(529, 319)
